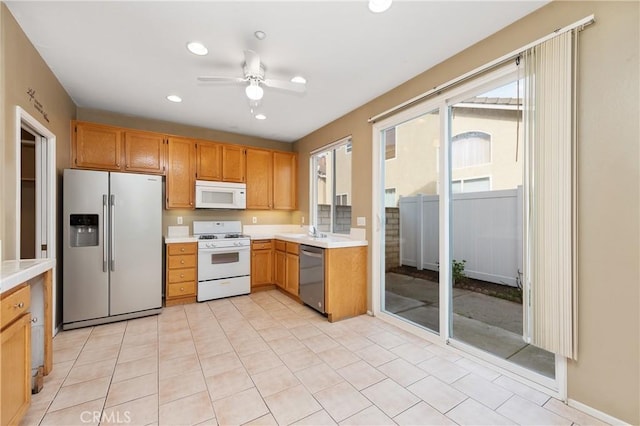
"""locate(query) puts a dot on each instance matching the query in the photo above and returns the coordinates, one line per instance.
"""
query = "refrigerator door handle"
(113, 232)
(105, 232)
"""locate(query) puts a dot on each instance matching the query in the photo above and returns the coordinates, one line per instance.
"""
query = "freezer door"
(85, 278)
(136, 249)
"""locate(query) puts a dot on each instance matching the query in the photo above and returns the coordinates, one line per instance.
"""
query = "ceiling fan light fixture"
(378, 6)
(261, 117)
(174, 98)
(299, 79)
(254, 91)
(197, 48)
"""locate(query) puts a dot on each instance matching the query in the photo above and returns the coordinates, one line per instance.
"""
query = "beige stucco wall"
(607, 373)
(24, 69)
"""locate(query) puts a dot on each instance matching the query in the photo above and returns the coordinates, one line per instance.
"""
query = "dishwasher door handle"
(311, 254)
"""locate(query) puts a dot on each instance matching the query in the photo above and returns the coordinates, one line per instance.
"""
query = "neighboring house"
(484, 153)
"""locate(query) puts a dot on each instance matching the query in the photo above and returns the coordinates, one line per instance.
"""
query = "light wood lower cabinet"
(261, 264)
(182, 276)
(286, 267)
(345, 277)
(15, 356)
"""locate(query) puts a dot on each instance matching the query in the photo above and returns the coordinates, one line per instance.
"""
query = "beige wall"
(170, 217)
(24, 69)
(606, 375)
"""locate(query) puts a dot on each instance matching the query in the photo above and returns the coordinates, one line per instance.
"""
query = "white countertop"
(330, 241)
(187, 239)
(15, 272)
(299, 234)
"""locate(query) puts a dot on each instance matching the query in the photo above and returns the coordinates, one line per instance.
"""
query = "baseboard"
(595, 413)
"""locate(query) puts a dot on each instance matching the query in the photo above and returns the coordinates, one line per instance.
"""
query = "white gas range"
(224, 259)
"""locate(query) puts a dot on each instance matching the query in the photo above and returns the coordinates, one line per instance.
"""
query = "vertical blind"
(549, 117)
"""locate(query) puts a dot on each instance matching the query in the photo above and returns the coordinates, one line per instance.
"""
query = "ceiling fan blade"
(252, 62)
(285, 85)
(225, 79)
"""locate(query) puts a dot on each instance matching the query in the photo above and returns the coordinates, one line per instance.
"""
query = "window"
(470, 149)
(471, 185)
(390, 197)
(331, 193)
(390, 143)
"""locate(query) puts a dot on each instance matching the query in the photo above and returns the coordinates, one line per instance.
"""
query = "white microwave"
(220, 195)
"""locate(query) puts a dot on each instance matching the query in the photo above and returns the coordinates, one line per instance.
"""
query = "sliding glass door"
(486, 228)
(411, 205)
(451, 240)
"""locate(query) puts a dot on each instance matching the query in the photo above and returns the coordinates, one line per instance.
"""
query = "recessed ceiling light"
(260, 35)
(299, 79)
(197, 48)
(261, 117)
(174, 98)
(377, 6)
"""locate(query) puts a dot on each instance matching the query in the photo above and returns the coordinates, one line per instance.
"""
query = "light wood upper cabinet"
(181, 173)
(95, 146)
(144, 152)
(271, 179)
(259, 179)
(285, 177)
(208, 161)
(233, 163)
(100, 147)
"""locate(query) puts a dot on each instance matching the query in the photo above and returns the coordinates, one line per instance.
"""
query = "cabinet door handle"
(181, 288)
(19, 305)
(181, 275)
(182, 262)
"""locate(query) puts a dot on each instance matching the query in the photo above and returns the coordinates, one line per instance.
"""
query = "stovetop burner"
(220, 236)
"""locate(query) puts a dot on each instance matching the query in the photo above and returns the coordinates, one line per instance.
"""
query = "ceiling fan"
(254, 78)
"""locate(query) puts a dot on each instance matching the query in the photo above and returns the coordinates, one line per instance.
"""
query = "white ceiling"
(128, 56)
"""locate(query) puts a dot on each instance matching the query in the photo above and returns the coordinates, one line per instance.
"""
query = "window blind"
(549, 117)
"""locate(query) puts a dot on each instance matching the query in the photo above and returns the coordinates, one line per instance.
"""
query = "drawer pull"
(181, 275)
(182, 249)
(19, 305)
(182, 262)
(181, 288)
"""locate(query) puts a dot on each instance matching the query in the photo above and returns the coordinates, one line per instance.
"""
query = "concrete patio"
(488, 323)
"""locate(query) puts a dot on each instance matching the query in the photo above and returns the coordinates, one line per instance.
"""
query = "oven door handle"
(223, 250)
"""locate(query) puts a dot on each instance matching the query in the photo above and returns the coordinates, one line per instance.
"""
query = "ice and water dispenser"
(84, 230)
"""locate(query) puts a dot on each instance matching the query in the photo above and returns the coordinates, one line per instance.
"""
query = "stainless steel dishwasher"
(312, 276)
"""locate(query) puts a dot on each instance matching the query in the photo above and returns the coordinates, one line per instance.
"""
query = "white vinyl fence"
(486, 232)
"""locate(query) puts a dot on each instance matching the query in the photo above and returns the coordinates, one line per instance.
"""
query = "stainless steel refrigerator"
(112, 254)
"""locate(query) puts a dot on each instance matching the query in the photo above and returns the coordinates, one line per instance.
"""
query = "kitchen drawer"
(14, 305)
(292, 248)
(182, 275)
(261, 245)
(182, 248)
(185, 261)
(181, 289)
(280, 245)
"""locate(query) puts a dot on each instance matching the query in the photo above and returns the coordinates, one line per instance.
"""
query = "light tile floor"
(264, 359)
